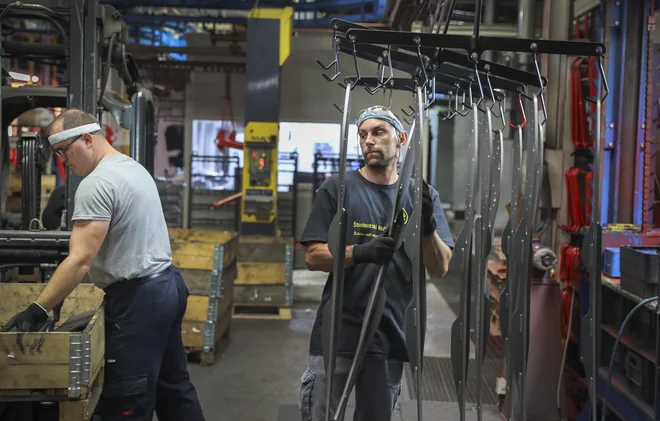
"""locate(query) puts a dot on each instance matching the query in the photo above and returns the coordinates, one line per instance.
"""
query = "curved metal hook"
(603, 78)
(522, 111)
(451, 113)
(357, 66)
(432, 80)
(465, 110)
(468, 106)
(381, 69)
(475, 59)
(335, 62)
(421, 59)
(542, 89)
(492, 96)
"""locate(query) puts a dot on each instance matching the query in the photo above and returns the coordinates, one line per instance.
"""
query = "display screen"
(260, 168)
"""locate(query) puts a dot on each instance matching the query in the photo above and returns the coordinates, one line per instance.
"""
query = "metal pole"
(561, 17)
(526, 27)
(91, 63)
(4, 147)
(489, 19)
(76, 89)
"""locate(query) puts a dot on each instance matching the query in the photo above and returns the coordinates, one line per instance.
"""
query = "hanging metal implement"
(426, 58)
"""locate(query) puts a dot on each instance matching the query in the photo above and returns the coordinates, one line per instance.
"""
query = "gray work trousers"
(377, 388)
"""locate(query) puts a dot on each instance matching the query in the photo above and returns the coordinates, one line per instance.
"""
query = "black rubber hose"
(106, 71)
(42, 16)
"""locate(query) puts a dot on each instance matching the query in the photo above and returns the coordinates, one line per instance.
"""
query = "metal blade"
(369, 327)
(523, 252)
(495, 176)
(413, 246)
(482, 248)
(337, 247)
(460, 340)
(508, 298)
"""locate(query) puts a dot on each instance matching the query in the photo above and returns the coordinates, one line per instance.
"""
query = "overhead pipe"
(195, 51)
(489, 19)
(559, 28)
(526, 28)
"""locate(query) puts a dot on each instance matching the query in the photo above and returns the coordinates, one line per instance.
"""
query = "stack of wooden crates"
(264, 287)
(207, 262)
(63, 367)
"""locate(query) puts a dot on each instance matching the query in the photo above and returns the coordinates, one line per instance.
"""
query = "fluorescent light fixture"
(20, 76)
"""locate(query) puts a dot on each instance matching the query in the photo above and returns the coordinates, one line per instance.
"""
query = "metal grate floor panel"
(438, 381)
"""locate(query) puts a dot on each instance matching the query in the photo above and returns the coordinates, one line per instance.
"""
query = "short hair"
(75, 117)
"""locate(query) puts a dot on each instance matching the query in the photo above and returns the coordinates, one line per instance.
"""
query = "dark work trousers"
(377, 388)
(146, 364)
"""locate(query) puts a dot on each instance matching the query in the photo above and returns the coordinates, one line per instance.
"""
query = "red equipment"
(579, 194)
(569, 273)
(223, 139)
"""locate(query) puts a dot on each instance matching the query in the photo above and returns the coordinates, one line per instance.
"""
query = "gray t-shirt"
(121, 191)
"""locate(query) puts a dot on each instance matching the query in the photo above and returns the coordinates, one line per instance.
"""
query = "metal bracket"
(288, 277)
(217, 286)
(216, 294)
(616, 13)
(79, 364)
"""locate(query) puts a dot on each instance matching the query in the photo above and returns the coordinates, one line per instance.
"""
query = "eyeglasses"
(62, 152)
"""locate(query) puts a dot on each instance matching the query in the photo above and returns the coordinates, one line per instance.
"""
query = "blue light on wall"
(155, 37)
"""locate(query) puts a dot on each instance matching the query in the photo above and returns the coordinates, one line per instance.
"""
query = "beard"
(376, 160)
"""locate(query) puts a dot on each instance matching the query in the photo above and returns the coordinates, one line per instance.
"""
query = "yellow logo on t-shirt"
(404, 214)
(366, 229)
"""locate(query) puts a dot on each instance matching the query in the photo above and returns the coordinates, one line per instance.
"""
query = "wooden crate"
(53, 366)
(207, 262)
(264, 287)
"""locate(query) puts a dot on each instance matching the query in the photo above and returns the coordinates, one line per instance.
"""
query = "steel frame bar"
(616, 39)
(639, 203)
(651, 172)
(76, 70)
(627, 121)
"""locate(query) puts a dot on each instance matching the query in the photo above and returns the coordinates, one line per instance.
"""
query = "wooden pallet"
(37, 366)
(208, 358)
(242, 311)
(82, 409)
(193, 338)
(68, 410)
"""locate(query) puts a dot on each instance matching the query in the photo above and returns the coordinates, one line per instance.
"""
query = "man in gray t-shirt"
(120, 239)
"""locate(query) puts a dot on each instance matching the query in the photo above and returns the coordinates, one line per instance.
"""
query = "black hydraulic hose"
(22, 49)
(106, 71)
(27, 6)
(610, 368)
(121, 60)
(42, 16)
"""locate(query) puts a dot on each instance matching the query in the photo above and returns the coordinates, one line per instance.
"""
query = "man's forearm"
(319, 258)
(436, 255)
(66, 278)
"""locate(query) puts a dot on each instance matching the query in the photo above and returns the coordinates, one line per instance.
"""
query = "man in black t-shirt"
(369, 195)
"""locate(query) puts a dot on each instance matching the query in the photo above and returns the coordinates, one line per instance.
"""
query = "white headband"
(76, 131)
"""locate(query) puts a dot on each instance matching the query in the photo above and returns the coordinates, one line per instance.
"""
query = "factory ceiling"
(216, 14)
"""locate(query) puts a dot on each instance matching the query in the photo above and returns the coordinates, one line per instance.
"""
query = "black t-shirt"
(369, 207)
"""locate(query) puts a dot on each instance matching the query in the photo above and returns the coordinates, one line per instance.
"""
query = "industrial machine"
(268, 47)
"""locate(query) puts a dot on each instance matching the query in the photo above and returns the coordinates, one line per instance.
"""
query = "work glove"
(428, 220)
(28, 320)
(379, 251)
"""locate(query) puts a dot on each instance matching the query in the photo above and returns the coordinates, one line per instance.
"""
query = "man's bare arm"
(436, 255)
(85, 242)
(319, 258)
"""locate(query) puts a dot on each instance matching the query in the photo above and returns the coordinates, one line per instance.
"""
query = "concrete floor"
(256, 376)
